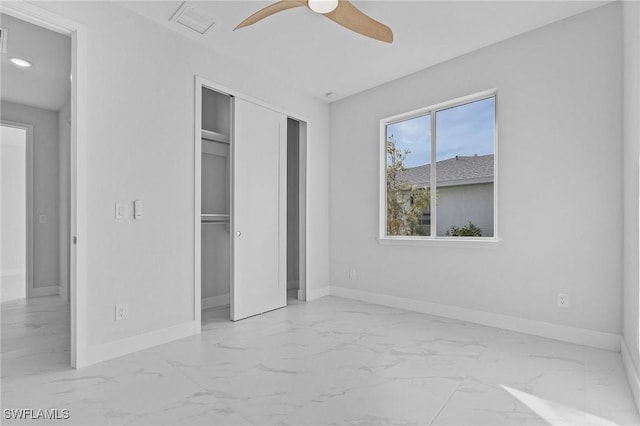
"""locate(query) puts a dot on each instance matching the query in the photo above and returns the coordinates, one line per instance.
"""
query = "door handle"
(238, 233)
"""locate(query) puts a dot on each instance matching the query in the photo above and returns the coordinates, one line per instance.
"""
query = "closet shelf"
(214, 218)
(214, 136)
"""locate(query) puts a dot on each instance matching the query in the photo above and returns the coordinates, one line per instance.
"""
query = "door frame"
(29, 252)
(78, 166)
(199, 84)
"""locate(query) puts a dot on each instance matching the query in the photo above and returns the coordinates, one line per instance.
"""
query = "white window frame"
(433, 239)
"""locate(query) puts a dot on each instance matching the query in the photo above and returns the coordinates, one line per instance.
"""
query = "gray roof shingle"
(459, 170)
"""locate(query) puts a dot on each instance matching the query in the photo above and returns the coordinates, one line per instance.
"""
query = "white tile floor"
(330, 361)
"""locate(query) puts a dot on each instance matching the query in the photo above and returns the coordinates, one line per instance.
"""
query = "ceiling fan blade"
(270, 10)
(347, 15)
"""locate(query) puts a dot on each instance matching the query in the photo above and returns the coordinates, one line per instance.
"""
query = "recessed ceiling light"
(22, 63)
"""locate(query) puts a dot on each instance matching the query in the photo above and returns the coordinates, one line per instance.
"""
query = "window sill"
(462, 242)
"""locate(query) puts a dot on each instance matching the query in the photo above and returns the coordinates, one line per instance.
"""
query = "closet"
(215, 198)
(242, 200)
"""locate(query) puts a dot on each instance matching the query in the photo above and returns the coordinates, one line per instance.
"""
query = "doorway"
(16, 207)
(52, 284)
(35, 113)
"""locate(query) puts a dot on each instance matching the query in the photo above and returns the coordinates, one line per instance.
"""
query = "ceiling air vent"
(193, 18)
(3, 40)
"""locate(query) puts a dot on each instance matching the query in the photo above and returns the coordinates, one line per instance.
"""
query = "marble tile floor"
(332, 361)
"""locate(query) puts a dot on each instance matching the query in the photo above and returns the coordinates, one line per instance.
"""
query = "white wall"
(64, 179)
(13, 206)
(559, 112)
(631, 13)
(140, 114)
(46, 261)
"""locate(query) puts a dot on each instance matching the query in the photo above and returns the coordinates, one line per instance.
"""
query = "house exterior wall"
(459, 205)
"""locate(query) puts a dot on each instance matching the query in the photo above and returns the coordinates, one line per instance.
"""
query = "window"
(438, 179)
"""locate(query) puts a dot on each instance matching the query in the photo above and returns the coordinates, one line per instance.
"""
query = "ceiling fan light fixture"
(340, 11)
(323, 6)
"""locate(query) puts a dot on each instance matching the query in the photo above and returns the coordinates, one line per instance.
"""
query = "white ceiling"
(46, 84)
(315, 55)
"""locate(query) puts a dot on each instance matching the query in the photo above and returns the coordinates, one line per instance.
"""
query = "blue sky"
(463, 130)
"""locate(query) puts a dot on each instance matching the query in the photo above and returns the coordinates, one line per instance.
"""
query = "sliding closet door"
(259, 210)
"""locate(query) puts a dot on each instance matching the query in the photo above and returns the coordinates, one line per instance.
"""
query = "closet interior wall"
(293, 207)
(215, 187)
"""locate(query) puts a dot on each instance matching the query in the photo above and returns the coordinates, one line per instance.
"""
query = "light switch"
(122, 210)
(137, 209)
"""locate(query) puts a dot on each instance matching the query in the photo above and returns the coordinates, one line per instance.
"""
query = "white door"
(259, 223)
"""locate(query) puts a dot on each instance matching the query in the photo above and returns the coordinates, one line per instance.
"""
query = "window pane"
(465, 169)
(408, 174)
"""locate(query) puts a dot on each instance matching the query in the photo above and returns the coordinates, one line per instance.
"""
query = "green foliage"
(405, 203)
(470, 230)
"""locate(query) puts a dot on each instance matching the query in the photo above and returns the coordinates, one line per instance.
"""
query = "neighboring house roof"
(459, 170)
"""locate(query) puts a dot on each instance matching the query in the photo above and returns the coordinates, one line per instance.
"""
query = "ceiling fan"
(339, 11)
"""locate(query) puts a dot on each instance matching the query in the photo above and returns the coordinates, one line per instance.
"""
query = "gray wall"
(215, 239)
(216, 260)
(293, 204)
(559, 113)
(46, 262)
(64, 189)
(215, 199)
(631, 13)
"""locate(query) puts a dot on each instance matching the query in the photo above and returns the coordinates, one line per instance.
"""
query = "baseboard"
(215, 301)
(51, 290)
(632, 373)
(580, 336)
(118, 348)
(317, 293)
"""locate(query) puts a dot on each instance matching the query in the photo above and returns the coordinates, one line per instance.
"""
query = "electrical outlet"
(352, 274)
(563, 300)
(122, 312)
(43, 218)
